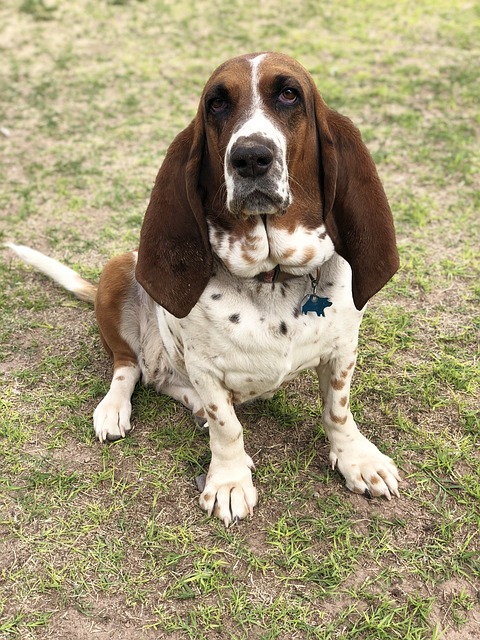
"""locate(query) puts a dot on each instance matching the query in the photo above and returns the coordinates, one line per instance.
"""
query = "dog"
(267, 232)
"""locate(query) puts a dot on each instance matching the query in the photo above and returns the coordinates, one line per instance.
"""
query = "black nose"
(251, 160)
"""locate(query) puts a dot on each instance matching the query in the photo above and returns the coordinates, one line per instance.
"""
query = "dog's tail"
(60, 273)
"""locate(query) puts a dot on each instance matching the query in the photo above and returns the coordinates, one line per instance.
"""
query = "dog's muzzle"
(256, 177)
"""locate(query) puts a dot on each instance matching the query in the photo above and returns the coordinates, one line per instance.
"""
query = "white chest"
(253, 336)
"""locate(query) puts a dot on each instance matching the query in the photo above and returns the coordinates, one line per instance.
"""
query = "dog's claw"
(200, 481)
(333, 460)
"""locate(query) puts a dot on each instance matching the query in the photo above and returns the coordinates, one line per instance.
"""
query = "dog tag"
(314, 304)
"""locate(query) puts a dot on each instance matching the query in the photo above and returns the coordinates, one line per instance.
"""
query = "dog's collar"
(274, 276)
(311, 303)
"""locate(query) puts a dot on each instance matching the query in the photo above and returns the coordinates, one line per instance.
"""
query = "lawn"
(109, 541)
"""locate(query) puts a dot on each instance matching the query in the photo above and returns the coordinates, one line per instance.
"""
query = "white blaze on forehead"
(255, 63)
(258, 122)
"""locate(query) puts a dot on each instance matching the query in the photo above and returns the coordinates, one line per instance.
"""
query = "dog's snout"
(251, 160)
(256, 172)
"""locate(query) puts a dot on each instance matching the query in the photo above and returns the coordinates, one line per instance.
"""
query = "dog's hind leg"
(189, 398)
(116, 293)
(111, 418)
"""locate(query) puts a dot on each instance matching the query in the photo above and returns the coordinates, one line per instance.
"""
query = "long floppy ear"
(356, 211)
(174, 256)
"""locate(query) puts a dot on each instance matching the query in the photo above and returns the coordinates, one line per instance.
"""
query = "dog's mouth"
(259, 203)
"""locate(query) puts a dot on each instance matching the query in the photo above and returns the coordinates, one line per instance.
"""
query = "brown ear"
(174, 256)
(356, 211)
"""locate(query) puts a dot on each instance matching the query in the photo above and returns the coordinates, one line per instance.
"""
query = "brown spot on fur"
(351, 365)
(337, 384)
(213, 407)
(185, 399)
(309, 254)
(374, 480)
(338, 419)
(247, 257)
(222, 423)
(343, 401)
(120, 378)
(212, 415)
(288, 253)
(384, 474)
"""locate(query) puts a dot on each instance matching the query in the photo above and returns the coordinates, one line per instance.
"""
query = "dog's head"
(264, 160)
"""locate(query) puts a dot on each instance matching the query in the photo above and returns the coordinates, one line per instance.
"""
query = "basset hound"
(266, 233)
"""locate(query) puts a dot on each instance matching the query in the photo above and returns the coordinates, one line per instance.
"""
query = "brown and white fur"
(266, 177)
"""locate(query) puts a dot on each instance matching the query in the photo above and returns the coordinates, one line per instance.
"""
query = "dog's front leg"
(229, 492)
(365, 469)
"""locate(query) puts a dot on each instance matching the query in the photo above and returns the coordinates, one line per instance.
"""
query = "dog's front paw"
(365, 469)
(111, 419)
(229, 493)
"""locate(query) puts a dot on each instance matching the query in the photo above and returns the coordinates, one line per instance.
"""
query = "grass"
(111, 540)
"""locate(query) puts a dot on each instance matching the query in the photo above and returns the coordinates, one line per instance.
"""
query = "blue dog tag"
(312, 303)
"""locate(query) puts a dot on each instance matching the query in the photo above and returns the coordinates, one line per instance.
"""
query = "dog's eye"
(217, 104)
(288, 96)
